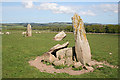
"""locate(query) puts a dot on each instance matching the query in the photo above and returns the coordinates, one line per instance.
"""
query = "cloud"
(115, 11)
(55, 8)
(48, 6)
(107, 7)
(88, 12)
(85, 10)
(28, 4)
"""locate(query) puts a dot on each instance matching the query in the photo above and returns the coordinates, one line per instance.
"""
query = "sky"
(46, 12)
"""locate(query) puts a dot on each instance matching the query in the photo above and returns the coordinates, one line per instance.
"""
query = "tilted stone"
(29, 30)
(58, 46)
(60, 36)
(48, 56)
(82, 47)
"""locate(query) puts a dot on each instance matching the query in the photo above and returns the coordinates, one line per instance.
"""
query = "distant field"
(18, 50)
(14, 26)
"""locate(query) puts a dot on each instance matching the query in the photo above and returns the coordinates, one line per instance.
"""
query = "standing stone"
(82, 47)
(29, 30)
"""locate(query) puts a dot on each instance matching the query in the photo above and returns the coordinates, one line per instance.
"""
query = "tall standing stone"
(29, 30)
(82, 47)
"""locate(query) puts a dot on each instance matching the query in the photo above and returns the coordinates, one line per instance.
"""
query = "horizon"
(55, 22)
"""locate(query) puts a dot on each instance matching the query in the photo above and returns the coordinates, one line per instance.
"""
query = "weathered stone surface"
(29, 30)
(58, 46)
(60, 36)
(49, 57)
(94, 63)
(82, 47)
(60, 54)
(66, 52)
(89, 68)
(60, 62)
(99, 66)
(77, 64)
(69, 52)
(68, 61)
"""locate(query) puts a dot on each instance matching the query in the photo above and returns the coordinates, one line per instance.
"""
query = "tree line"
(91, 28)
(88, 28)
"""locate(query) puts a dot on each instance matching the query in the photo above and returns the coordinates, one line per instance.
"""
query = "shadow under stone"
(74, 57)
(54, 52)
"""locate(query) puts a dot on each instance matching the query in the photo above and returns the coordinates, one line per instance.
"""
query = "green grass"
(0, 57)
(77, 69)
(102, 45)
(47, 63)
(18, 50)
(59, 67)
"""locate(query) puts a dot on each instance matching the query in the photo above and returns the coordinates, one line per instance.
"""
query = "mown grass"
(0, 57)
(18, 50)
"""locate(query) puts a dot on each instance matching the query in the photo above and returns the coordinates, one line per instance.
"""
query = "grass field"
(18, 50)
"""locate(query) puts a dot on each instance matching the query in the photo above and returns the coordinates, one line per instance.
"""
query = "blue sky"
(45, 12)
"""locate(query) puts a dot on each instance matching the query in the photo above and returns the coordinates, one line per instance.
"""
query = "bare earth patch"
(50, 69)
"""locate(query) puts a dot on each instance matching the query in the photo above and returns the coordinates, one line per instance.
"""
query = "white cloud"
(110, 7)
(115, 11)
(89, 13)
(92, 10)
(48, 6)
(107, 7)
(55, 8)
(28, 4)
